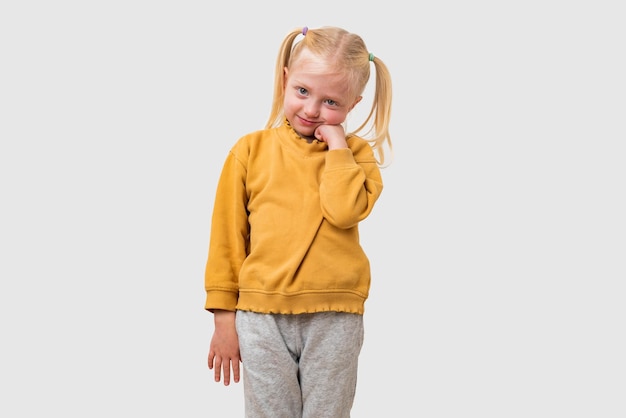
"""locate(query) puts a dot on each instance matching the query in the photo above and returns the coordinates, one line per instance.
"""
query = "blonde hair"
(348, 52)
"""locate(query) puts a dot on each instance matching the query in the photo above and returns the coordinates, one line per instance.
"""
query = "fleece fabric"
(284, 235)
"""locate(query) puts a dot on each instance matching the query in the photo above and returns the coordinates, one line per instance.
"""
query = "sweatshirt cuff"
(221, 299)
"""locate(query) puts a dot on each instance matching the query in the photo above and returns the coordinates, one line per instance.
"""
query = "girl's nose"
(312, 110)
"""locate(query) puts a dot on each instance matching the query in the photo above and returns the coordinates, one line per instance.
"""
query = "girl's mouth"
(307, 122)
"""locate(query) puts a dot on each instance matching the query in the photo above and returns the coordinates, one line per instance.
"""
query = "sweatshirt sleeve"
(229, 237)
(350, 185)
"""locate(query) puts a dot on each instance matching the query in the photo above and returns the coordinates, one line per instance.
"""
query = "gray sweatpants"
(299, 366)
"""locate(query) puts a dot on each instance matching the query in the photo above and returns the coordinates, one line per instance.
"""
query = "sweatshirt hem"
(301, 303)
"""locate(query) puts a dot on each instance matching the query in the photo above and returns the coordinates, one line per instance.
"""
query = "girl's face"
(315, 94)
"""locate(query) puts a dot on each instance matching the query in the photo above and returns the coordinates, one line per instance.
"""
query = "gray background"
(497, 247)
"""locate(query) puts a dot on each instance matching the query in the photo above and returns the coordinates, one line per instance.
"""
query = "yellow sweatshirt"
(284, 234)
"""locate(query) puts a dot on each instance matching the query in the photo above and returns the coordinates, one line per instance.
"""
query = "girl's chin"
(305, 133)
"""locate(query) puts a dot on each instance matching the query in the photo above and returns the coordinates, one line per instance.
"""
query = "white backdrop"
(497, 247)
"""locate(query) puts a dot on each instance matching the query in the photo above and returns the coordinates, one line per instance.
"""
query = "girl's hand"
(333, 135)
(224, 351)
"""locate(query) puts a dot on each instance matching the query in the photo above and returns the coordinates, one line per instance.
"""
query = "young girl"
(286, 277)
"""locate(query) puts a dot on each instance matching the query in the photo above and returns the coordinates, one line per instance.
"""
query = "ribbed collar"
(290, 139)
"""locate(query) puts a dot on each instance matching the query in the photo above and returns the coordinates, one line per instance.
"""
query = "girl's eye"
(302, 91)
(331, 102)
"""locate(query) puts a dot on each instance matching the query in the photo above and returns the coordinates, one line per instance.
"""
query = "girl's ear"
(357, 100)
(285, 74)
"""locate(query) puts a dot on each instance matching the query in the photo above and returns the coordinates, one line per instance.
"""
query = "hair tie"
(305, 30)
(371, 57)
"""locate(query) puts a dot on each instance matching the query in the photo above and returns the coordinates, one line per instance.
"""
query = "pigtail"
(375, 128)
(284, 54)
